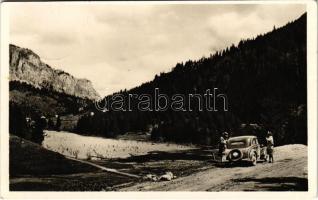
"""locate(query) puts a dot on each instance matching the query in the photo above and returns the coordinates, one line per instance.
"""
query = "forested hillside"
(27, 101)
(264, 79)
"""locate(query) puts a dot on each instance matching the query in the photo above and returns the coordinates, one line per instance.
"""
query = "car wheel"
(254, 159)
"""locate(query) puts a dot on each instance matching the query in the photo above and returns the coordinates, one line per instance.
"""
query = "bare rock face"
(26, 66)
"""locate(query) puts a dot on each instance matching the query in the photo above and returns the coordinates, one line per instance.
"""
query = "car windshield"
(237, 143)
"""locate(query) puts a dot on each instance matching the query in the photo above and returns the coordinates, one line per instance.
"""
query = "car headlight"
(235, 154)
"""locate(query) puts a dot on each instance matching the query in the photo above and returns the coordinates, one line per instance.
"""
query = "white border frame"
(312, 118)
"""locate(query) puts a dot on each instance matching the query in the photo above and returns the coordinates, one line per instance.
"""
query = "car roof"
(245, 137)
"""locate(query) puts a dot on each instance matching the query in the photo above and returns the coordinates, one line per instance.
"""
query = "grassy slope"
(33, 168)
(27, 158)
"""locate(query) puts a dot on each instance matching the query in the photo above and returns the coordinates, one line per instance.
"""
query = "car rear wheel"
(235, 155)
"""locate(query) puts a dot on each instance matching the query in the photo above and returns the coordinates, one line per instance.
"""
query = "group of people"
(33, 127)
(269, 144)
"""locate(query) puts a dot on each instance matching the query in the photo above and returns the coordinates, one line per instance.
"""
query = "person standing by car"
(58, 123)
(270, 146)
(222, 144)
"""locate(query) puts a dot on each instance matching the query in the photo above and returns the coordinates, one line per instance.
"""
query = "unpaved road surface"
(289, 172)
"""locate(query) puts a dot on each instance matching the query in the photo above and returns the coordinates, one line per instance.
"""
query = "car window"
(254, 141)
(237, 144)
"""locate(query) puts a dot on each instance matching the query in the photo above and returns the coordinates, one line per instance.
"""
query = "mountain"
(27, 67)
(36, 89)
(264, 79)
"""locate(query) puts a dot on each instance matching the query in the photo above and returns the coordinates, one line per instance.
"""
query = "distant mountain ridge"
(27, 67)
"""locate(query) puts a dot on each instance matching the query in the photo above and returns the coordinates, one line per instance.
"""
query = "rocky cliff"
(26, 66)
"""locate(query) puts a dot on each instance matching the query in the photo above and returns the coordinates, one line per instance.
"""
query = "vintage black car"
(245, 148)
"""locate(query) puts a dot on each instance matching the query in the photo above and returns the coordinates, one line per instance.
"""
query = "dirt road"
(289, 172)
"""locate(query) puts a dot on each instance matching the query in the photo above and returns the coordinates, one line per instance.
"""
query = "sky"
(119, 46)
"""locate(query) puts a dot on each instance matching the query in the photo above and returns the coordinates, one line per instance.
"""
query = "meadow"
(95, 148)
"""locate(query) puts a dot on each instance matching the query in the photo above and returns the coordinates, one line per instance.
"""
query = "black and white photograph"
(158, 97)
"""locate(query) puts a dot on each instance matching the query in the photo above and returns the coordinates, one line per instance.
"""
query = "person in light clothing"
(270, 146)
(223, 144)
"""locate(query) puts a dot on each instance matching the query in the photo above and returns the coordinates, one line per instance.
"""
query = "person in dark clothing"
(43, 122)
(50, 124)
(39, 125)
(28, 128)
(58, 123)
